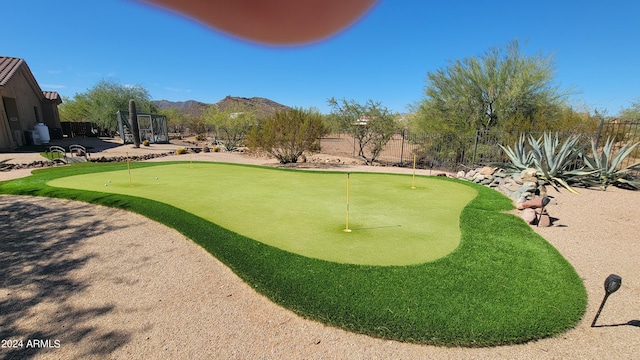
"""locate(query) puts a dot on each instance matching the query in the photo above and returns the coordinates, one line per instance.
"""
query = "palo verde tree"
(287, 134)
(371, 124)
(176, 120)
(101, 103)
(230, 125)
(631, 113)
(485, 92)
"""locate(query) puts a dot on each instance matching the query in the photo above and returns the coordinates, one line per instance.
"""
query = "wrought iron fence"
(622, 133)
(452, 152)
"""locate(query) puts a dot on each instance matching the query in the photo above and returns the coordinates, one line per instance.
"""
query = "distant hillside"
(180, 105)
(262, 106)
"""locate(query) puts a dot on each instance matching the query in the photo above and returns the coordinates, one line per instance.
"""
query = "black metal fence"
(623, 133)
(452, 152)
(79, 129)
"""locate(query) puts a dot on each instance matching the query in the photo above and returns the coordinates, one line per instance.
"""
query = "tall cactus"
(135, 128)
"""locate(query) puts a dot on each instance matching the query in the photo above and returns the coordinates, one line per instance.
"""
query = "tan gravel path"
(68, 275)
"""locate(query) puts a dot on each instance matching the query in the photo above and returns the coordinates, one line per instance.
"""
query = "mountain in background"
(262, 107)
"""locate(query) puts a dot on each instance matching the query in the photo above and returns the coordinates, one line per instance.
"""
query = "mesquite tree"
(371, 124)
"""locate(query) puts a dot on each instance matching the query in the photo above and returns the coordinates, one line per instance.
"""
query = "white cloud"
(133, 86)
(52, 86)
(177, 89)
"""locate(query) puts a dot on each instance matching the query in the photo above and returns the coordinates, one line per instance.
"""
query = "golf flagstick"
(413, 181)
(129, 169)
(346, 229)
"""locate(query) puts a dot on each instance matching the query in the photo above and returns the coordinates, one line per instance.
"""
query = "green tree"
(631, 113)
(333, 123)
(481, 93)
(287, 134)
(176, 120)
(565, 119)
(230, 125)
(371, 124)
(101, 103)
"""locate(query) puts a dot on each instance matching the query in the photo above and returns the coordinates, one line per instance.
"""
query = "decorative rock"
(521, 187)
(487, 170)
(544, 220)
(529, 215)
(500, 173)
(529, 186)
(529, 175)
(542, 189)
(530, 204)
(486, 182)
(525, 195)
(513, 187)
(517, 179)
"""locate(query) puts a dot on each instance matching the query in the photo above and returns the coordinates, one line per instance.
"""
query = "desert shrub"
(201, 137)
(145, 142)
(287, 134)
(181, 150)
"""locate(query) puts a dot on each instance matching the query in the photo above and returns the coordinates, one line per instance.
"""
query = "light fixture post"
(545, 201)
(611, 284)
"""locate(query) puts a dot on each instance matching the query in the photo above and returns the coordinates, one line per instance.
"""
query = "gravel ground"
(69, 276)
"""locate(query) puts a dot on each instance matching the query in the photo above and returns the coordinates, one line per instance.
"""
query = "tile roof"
(51, 95)
(8, 66)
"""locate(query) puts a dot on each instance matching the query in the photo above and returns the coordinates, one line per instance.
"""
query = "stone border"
(525, 189)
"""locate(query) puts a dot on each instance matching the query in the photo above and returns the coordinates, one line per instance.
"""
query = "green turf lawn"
(305, 212)
(503, 284)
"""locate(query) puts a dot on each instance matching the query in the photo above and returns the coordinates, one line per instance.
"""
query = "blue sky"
(70, 45)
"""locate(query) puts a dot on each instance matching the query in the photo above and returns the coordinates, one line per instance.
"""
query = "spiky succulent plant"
(607, 167)
(520, 158)
(554, 161)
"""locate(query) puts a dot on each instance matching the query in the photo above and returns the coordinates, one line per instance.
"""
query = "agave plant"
(553, 161)
(519, 157)
(606, 167)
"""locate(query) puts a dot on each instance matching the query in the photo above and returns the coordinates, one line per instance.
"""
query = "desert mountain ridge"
(261, 106)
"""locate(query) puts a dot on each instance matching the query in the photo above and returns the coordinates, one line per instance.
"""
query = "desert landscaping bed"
(219, 316)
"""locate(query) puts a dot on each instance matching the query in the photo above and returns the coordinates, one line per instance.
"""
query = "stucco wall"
(28, 98)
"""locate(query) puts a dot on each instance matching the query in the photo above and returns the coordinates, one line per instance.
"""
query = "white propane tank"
(43, 131)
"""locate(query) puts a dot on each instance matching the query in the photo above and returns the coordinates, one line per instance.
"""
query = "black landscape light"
(545, 201)
(611, 284)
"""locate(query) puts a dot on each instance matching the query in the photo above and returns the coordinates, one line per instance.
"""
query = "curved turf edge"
(503, 285)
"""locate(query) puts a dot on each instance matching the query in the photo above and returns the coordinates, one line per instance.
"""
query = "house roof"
(8, 67)
(52, 96)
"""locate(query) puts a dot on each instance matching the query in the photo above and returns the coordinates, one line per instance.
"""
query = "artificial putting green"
(503, 284)
(305, 212)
